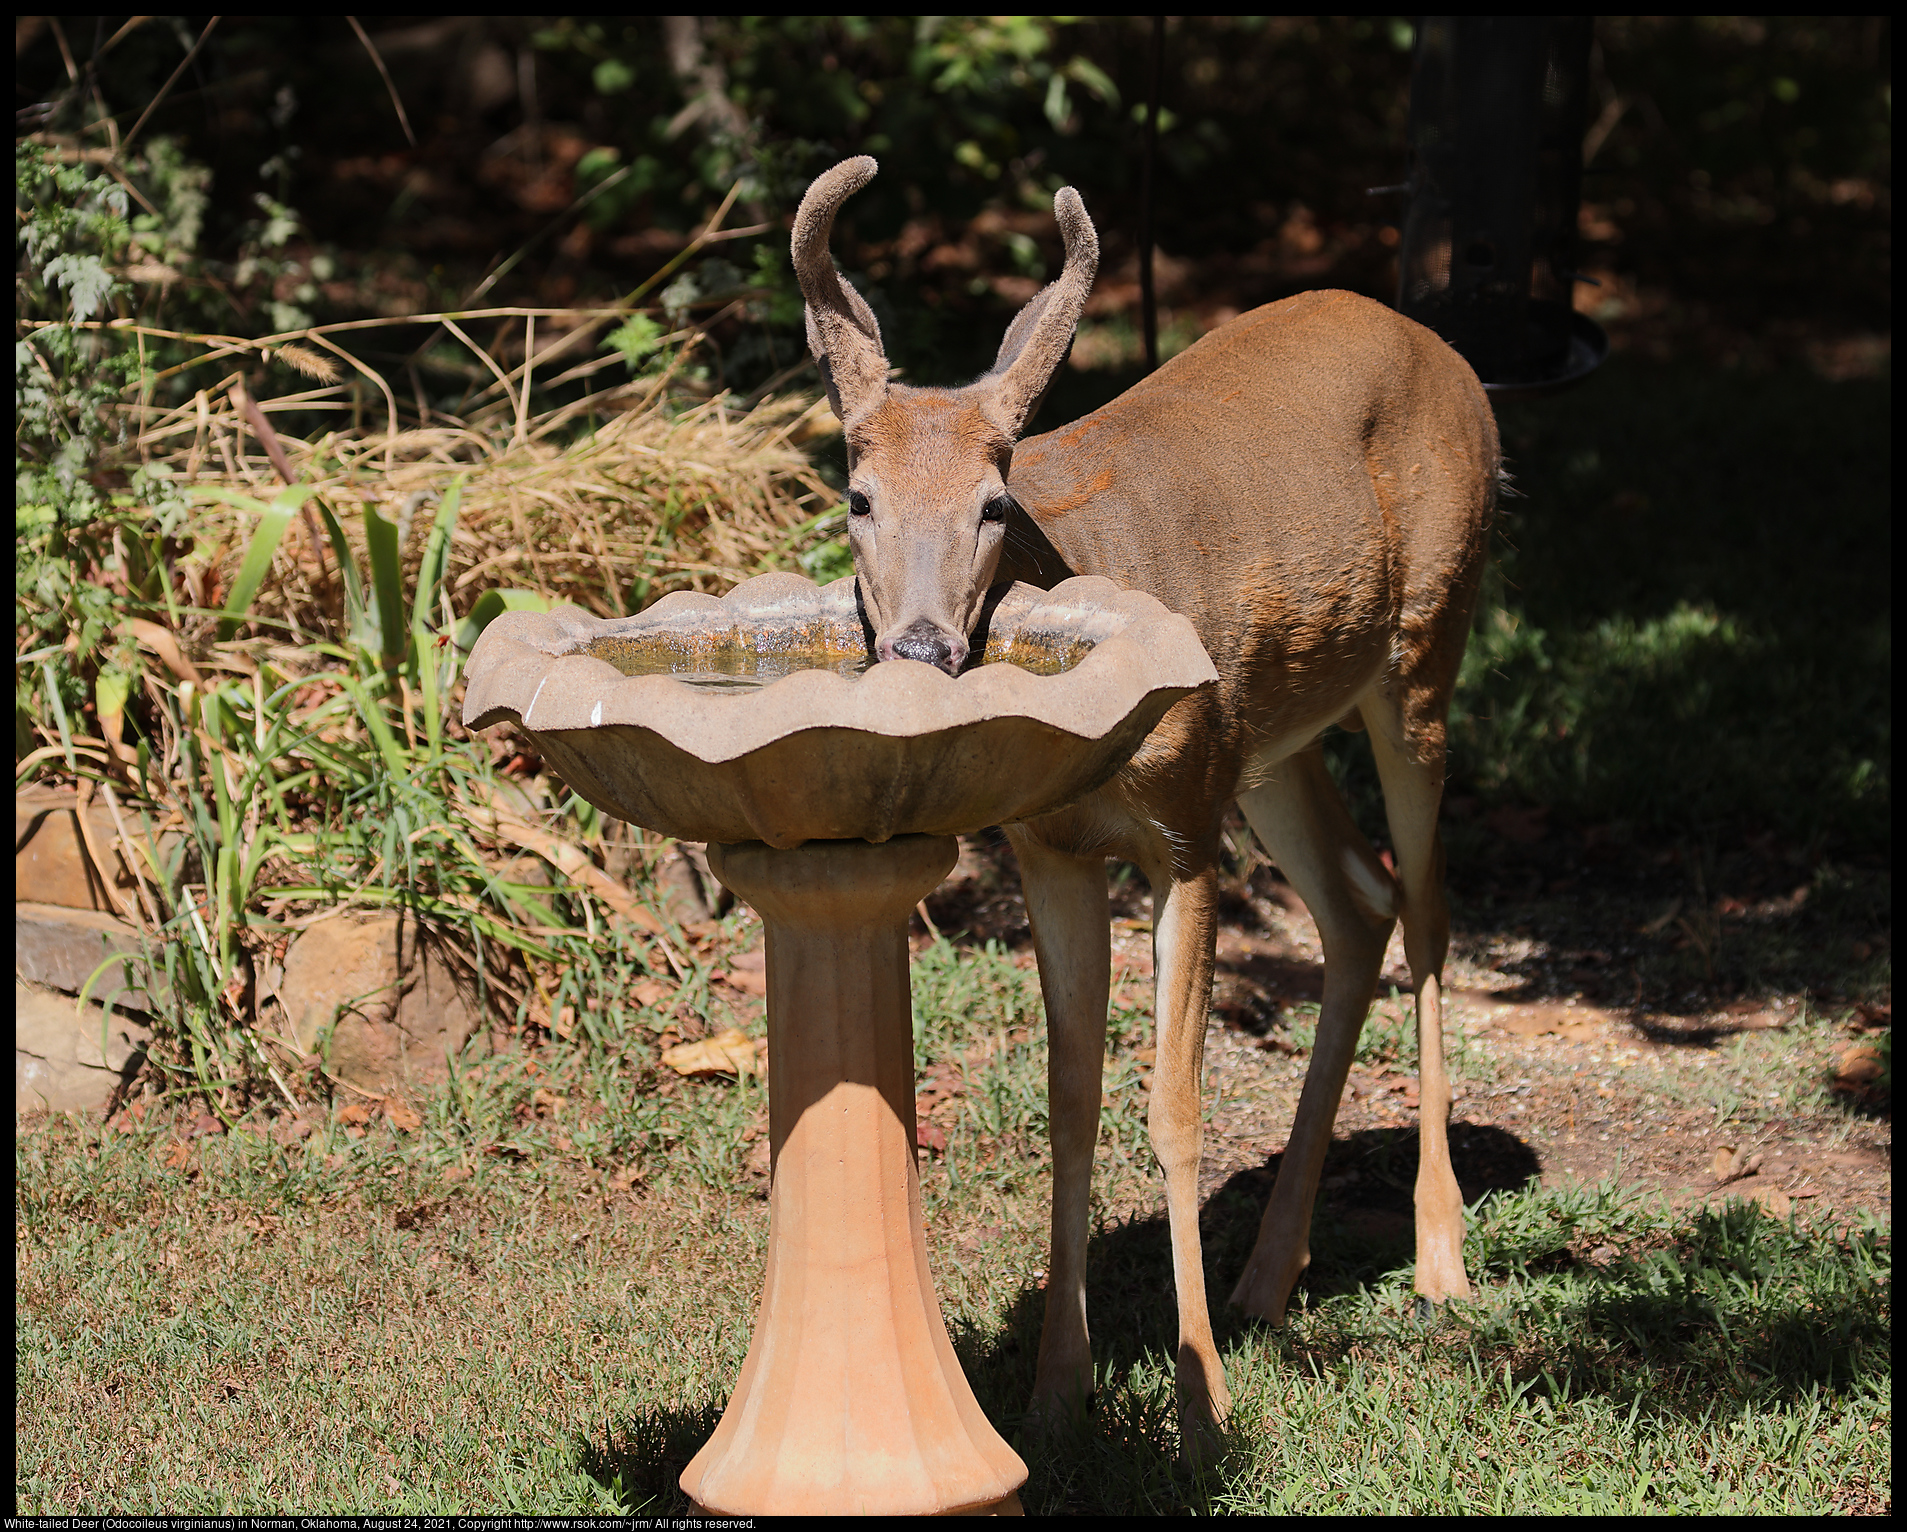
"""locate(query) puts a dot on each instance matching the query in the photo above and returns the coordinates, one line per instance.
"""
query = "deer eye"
(996, 508)
(858, 504)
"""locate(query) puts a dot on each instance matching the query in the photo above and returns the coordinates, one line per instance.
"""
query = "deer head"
(927, 467)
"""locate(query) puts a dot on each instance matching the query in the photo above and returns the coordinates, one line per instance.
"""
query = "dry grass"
(653, 501)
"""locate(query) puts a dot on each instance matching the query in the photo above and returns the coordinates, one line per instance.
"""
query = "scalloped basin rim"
(526, 666)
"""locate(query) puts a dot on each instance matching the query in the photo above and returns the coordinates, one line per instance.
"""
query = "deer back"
(1310, 485)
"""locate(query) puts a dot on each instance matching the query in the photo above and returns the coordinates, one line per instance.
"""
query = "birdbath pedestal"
(829, 793)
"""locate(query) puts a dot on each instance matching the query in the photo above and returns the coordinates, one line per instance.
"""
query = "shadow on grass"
(1733, 1311)
(1122, 1457)
(1740, 1309)
(640, 1461)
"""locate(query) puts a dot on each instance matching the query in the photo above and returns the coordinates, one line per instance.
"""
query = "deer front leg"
(1184, 926)
(1303, 821)
(1066, 903)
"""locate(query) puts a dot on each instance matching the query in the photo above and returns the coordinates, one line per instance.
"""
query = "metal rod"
(1148, 301)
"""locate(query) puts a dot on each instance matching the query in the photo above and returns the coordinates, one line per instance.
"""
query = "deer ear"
(1041, 334)
(842, 331)
(819, 350)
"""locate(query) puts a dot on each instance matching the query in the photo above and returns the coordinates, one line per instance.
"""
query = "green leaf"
(362, 635)
(86, 280)
(111, 690)
(596, 164)
(430, 574)
(612, 77)
(430, 577)
(491, 605)
(387, 583)
(273, 520)
(636, 338)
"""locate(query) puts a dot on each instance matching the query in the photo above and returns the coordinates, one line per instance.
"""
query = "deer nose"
(921, 640)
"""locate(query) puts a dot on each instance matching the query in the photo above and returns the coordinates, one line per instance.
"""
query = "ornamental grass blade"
(272, 521)
(387, 583)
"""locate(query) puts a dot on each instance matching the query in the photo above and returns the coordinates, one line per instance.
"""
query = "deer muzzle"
(930, 644)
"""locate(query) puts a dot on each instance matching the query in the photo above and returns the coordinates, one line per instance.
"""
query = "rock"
(50, 859)
(384, 1014)
(60, 947)
(1858, 1066)
(68, 1058)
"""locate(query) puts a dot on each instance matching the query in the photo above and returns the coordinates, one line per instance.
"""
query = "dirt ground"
(1602, 1022)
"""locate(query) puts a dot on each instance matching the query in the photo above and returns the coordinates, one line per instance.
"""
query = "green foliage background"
(1690, 628)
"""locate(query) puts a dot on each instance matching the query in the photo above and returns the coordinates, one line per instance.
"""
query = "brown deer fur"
(1311, 485)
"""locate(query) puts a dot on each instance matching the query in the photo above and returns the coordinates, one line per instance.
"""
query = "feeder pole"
(1148, 302)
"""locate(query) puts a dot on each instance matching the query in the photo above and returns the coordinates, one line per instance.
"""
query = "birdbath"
(829, 791)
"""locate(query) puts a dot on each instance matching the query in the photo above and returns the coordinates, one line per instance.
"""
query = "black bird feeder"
(1497, 112)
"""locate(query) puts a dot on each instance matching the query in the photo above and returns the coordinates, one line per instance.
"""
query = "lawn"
(534, 1293)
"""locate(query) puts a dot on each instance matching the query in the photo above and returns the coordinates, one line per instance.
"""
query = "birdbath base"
(851, 1400)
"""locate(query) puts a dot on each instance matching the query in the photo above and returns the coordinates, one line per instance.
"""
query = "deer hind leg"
(1184, 927)
(1413, 790)
(1303, 822)
(1067, 906)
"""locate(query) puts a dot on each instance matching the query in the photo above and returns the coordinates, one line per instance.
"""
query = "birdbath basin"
(829, 790)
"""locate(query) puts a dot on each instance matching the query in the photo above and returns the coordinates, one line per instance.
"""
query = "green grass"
(488, 1313)
(1725, 1363)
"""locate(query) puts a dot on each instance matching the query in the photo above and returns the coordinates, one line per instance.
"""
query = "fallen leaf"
(401, 1117)
(459, 1173)
(731, 1053)
(930, 1135)
(294, 1130)
(178, 1156)
(748, 981)
(652, 992)
(1730, 1164)
(355, 1114)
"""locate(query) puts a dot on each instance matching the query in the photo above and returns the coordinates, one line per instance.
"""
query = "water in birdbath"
(730, 667)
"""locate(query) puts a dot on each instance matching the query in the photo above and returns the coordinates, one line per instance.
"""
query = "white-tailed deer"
(1311, 485)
